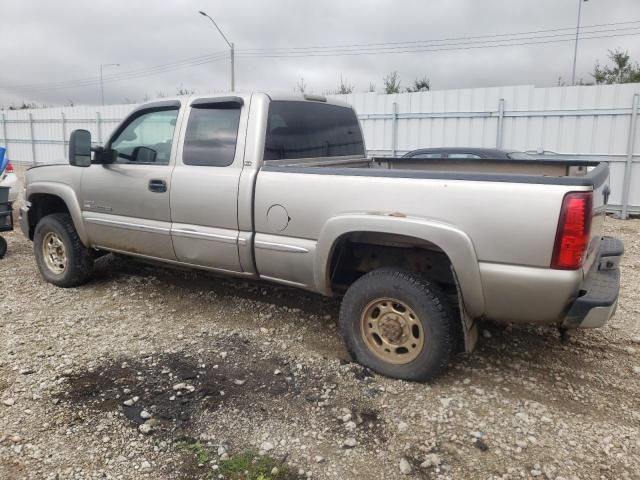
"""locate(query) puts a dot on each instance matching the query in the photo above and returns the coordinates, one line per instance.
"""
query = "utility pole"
(575, 49)
(233, 74)
(102, 65)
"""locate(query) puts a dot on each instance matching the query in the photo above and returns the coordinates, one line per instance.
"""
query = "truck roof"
(273, 95)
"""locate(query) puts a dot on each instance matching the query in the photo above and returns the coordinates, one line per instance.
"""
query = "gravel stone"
(350, 443)
(145, 428)
(267, 446)
(431, 460)
(405, 466)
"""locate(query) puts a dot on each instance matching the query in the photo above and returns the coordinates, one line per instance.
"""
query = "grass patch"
(201, 452)
(251, 466)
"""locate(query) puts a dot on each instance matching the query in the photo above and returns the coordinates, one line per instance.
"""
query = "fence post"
(4, 133)
(500, 123)
(99, 122)
(33, 139)
(629, 164)
(64, 135)
(394, 129)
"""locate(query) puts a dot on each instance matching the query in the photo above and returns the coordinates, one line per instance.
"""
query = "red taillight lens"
(574, 231)
(9, 168)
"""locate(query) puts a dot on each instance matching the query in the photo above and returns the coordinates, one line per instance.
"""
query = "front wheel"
(61, 257)
(3, 247)
(398, 324)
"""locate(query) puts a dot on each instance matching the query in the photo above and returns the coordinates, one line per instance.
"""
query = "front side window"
(212, 134)
(297, 129)
(147, 138)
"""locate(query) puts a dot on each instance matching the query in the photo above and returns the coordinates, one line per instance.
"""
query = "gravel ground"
(148, 372)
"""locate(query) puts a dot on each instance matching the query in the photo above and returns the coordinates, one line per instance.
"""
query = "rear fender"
(453, 242)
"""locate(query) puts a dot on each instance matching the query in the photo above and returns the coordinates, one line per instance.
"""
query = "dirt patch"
(172, 387)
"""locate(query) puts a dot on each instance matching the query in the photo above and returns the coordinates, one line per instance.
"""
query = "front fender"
(68, 195)
(455, 243)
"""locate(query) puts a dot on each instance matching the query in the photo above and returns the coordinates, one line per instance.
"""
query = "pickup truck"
(279, 188)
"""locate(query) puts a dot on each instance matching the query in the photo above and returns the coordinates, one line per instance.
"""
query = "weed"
(251, 466)
(202, 454)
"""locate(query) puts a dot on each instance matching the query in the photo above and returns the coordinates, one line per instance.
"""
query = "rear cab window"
(303, 129)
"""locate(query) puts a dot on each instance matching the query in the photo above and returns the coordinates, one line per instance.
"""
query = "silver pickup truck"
(278, 188)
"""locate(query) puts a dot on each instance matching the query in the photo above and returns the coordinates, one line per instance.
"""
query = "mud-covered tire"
(414, 294)
(79, 260)
(3, 247)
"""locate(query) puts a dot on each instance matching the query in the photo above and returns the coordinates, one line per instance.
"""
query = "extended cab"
(279, 188)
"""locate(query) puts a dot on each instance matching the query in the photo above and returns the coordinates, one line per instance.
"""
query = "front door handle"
(157, 186)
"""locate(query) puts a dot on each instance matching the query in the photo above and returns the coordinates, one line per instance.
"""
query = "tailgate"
(600, 197)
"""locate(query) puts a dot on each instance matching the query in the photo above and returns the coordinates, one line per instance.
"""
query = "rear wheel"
(61, 257)
(397, 323)
(3, 247)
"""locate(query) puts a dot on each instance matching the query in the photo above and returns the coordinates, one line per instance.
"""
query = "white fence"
(596, 122)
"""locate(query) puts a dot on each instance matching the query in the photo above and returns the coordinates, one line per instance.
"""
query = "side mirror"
(80, 148)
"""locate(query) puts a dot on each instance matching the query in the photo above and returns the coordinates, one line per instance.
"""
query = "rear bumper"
(599, 290)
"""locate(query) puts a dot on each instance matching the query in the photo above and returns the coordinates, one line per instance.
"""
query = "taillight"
(9, 168)
(574, 231)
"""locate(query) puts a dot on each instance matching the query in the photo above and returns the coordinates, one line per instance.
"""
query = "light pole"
(233, 74)
(102, 65)
(575, 49)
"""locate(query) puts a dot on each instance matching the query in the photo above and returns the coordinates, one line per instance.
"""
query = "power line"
(320, 47)
(433, 48)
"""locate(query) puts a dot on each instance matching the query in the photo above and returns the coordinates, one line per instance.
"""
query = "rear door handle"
(157, 186)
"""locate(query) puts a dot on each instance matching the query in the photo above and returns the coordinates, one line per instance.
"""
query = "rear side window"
(212, 134)
(311, 130)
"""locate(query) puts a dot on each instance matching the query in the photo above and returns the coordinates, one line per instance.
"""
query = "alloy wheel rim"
(392, 331)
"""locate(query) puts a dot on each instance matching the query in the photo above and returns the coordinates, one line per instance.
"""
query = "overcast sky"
(53, 43)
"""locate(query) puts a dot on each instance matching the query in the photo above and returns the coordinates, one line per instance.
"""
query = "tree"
(623, 69)
(24, 106)
(372, 87)
(420, 85)
(345, 87)
(184, 91)
(391, 83)
(301, 86)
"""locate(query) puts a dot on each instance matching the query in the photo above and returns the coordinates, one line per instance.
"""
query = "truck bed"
(543, 171)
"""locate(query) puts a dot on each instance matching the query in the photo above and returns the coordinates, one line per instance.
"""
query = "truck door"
(204, 184)
(125, 204)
